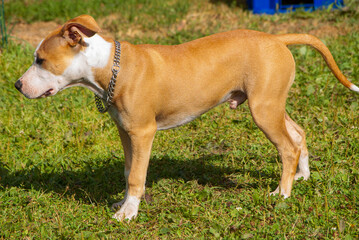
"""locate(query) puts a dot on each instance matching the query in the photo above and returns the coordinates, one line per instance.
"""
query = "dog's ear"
(76, 29)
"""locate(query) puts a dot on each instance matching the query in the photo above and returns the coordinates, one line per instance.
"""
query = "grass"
(62, 162)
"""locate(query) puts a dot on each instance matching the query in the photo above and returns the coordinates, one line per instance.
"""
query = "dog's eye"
(39, 60)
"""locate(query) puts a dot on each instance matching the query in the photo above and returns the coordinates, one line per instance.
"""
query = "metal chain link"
(104, 104)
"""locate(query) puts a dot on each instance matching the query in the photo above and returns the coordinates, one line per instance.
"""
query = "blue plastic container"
(282, 6)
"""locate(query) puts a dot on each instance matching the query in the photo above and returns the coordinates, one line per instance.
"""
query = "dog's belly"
(172, 117)
(186, 114)
(174, 121)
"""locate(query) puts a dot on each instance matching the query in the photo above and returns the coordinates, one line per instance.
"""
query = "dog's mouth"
(49, 92)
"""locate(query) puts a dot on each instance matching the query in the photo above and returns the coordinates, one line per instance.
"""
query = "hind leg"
(298, 136)
(270, 118)
(267, 91)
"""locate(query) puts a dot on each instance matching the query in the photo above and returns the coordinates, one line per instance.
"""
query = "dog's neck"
(94, 64)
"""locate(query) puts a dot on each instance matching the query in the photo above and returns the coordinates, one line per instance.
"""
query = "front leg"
(126, 144)
(137, 145)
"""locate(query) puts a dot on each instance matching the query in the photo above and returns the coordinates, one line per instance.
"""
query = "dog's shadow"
(98, 184)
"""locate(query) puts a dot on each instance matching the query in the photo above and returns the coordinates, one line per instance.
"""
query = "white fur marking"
(96, 55)
(36, 81)
(285, 195)
(40, 82)
(98, 52)
(275, 192)
(354, 88)
(129, 209)
(303, 168)
(38, 46)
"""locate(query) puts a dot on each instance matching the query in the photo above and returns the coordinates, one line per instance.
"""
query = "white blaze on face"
(38, 46)
(39, 82)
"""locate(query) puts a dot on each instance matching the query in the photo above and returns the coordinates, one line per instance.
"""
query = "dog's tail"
(292, 39)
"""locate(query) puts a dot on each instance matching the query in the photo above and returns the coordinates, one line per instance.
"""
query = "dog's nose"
(18, 85)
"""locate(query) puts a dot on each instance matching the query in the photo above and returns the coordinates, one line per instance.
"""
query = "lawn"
(62, 163)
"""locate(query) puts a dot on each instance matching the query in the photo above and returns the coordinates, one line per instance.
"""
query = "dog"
(146, 88)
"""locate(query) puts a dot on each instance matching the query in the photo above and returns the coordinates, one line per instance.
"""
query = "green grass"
(62, 162)
(152, 13)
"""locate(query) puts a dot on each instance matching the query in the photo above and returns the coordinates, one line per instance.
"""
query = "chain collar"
(104, 104)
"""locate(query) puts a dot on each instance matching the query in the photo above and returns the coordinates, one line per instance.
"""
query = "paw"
(275, 192)
(303, 168)
(115, 206)
(302, 174)
(128, 210)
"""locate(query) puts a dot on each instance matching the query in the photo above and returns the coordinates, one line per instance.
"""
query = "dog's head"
(61, 60)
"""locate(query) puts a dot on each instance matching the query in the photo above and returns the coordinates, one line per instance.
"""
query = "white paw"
(302, 174)
(275, 192)
(128, 210)
(303, 168)
(115, 206)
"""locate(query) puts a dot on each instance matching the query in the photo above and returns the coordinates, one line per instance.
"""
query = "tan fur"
(160, 87)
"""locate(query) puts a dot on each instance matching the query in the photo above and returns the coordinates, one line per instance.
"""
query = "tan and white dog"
(161, 87)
